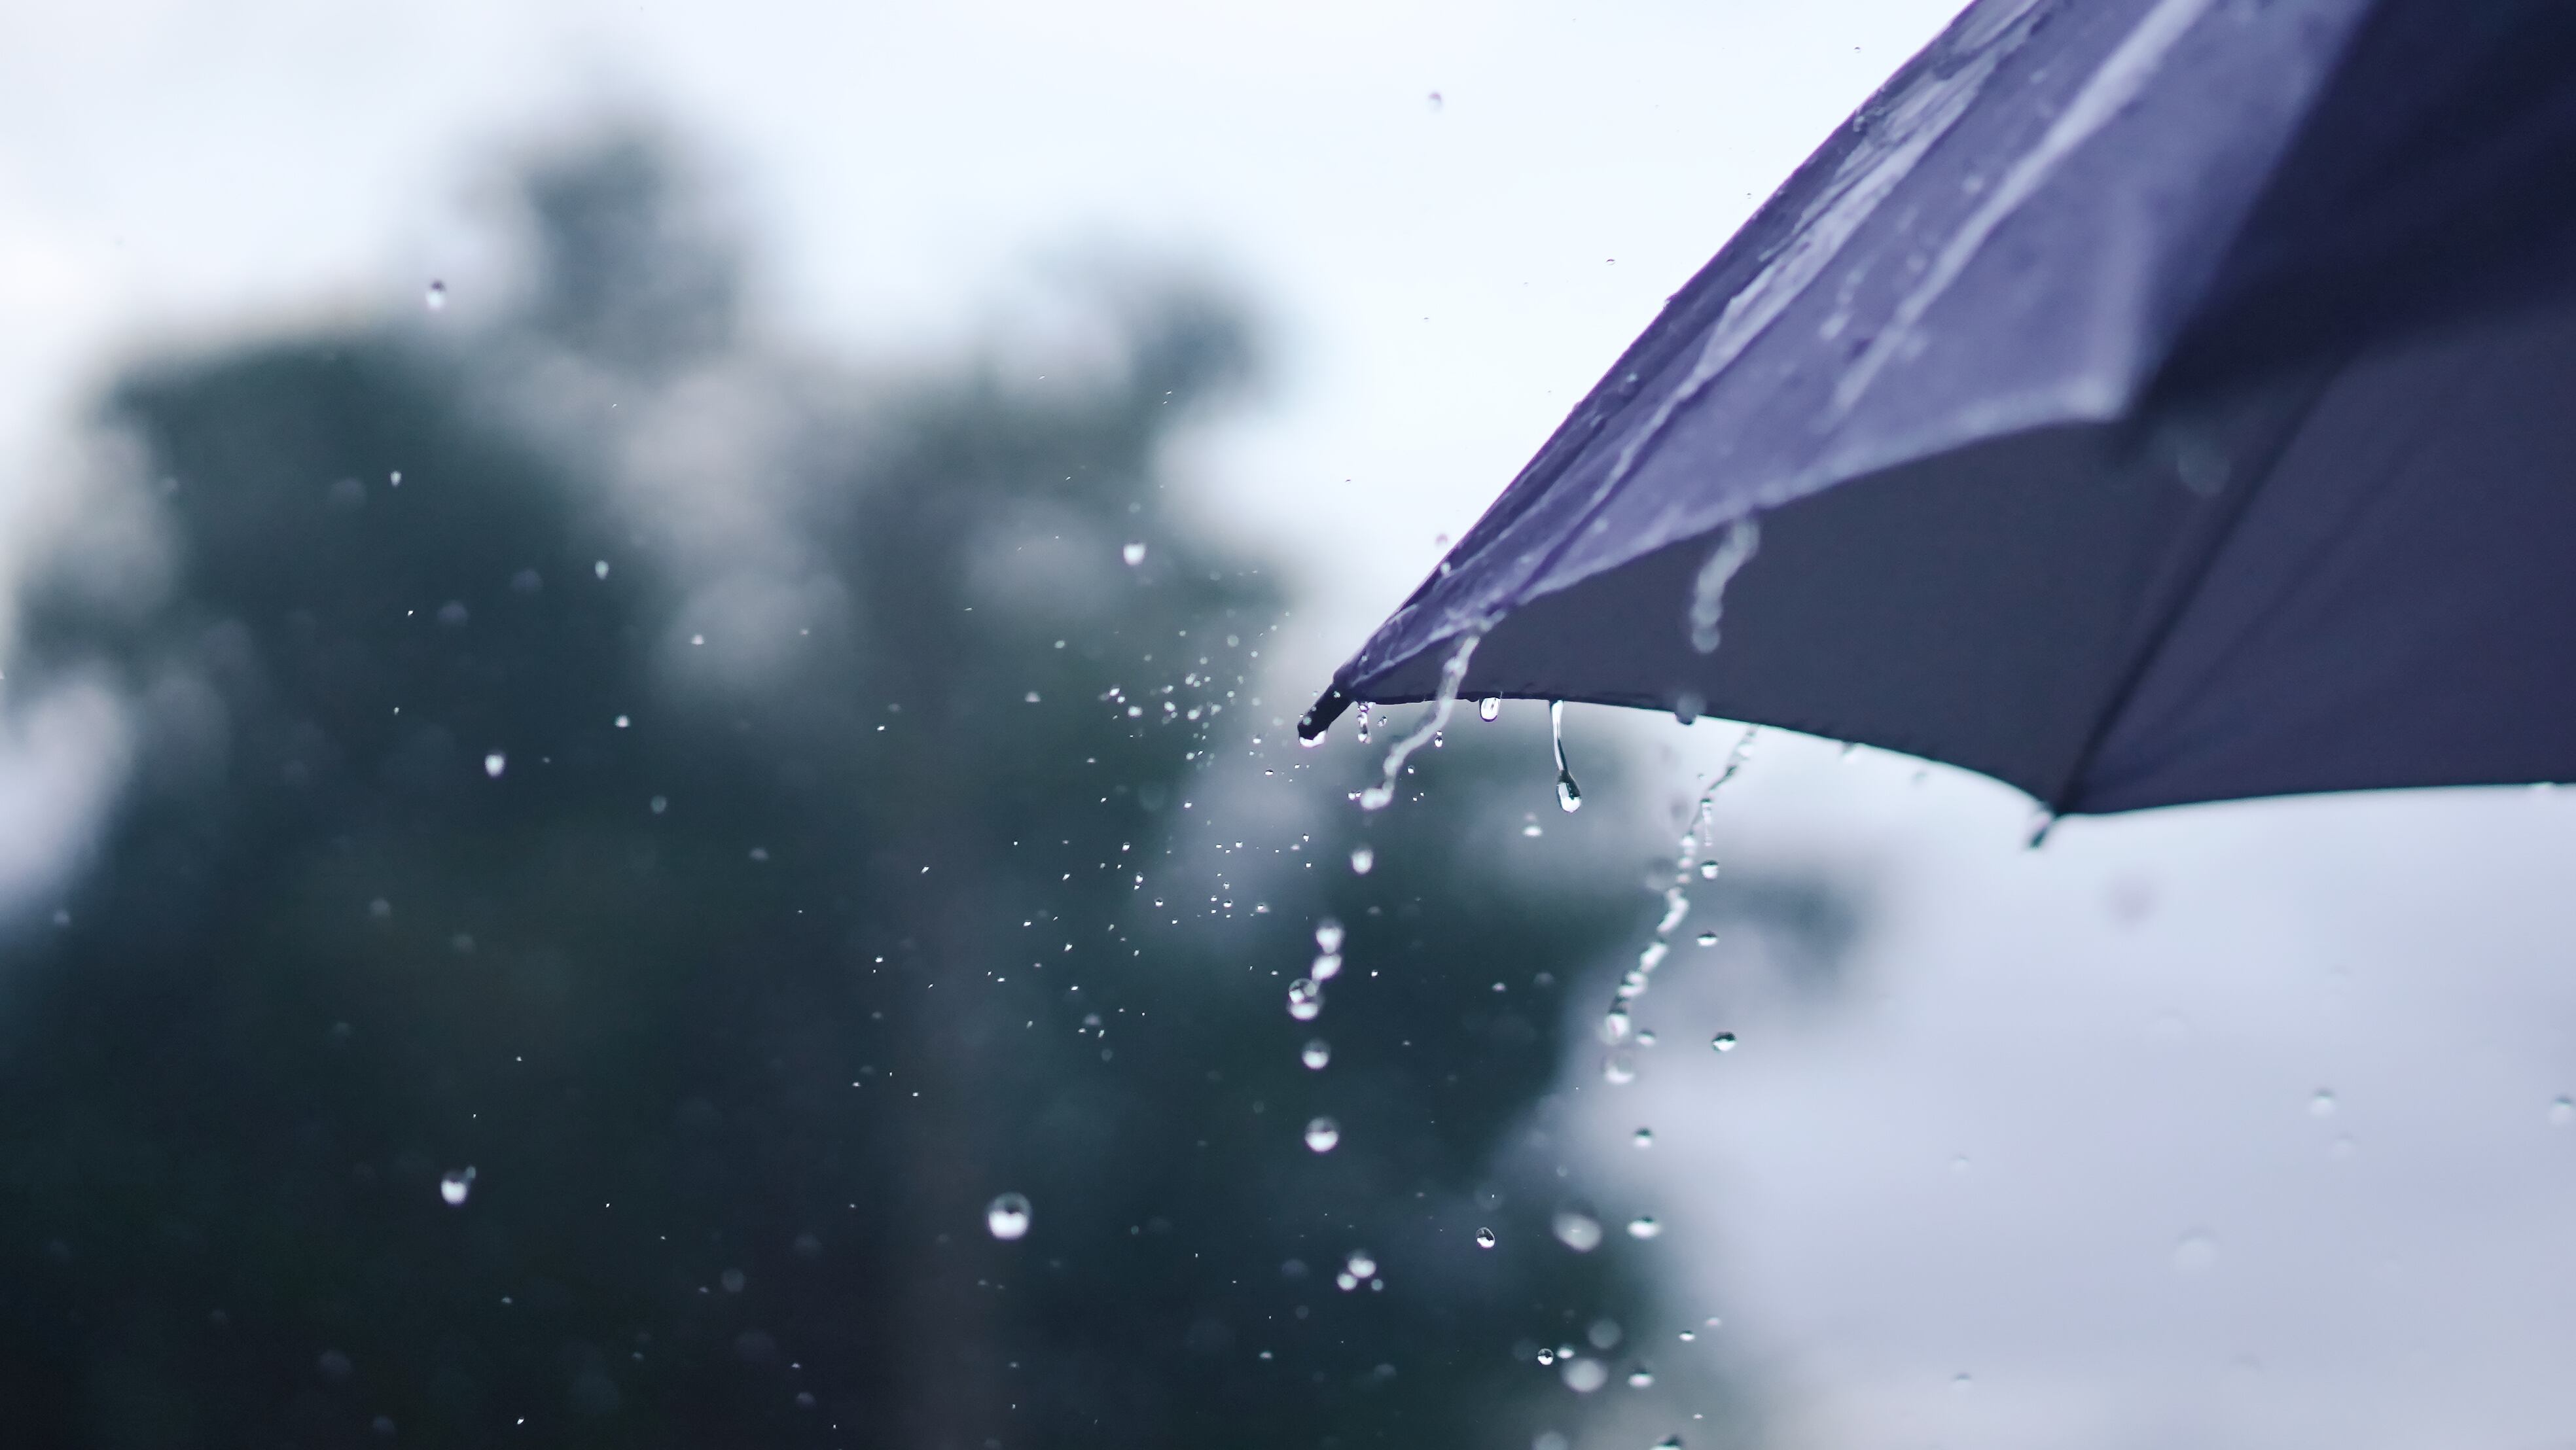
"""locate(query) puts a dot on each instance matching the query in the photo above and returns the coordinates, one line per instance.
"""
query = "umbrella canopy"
(2138, 401)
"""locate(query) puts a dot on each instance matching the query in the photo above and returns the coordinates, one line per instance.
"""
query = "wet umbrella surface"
(2140, 402)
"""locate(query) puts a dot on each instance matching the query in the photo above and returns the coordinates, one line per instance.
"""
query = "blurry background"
(646, 658)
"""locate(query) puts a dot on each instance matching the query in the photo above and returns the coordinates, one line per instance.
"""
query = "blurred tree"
(640, 838)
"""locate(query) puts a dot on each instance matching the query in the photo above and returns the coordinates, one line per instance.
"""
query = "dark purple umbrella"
(2139, 401)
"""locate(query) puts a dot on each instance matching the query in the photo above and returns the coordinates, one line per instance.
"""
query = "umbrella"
(2138, 401)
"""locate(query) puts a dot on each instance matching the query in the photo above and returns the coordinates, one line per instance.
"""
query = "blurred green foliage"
(752, 812)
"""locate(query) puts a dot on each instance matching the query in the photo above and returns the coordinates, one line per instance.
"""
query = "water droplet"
(1134, 554)
(2040, 825)
(1327, 967)
(1322, 1135)
(1733, 550)
(732, 1280)
(1669, 1442)
(1723, 1042)
(1360, 1265)
(1569, 796)
(1688, 707)
(1640, 1378)
(2322, 1105)
(1962, 1381)
(2195, 1252)
(1619, 1068)
(1644, 1138)
(1687, 1336)
(1708, 871)
(1328, 935)
(600, 569)
(1531, 828)
(1615, 1025)
(2562, 1112)
(1644, 1227)
(1546, 1355)
(494, 764)
(1490, 709)
(1484, 1238)
(1583, 1376)
(661, 804)
(454, 1187)
(1362, 858)
(1707, 938)
(1008, 1216)
(435, 299)
(1305, 999)
(1577, 1230)
(1318, 1052)
(621, 722)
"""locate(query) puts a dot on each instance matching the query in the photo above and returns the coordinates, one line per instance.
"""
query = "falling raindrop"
(454, 1187)
(600, 569)
(1688, 707)
(1362, 858)
(1569, 796)
(2322, 1105)
(1708, 591)
(1327, 967)
(1452, 675)
(1007, 1216)
(1322, 1134)
(1615, 1024)
(1619, 1069)
(1305, 999)
(1134, 554)
(1644, 1227)
(1708, 938)
(1707, 871)
(1644, 1138)
(1328, 935)
(1490, 709)
(1484, 1238)
(1360, 1265)
(1577, 1230)
(2562, 1112)
(1640, 1378)
(1546, 1355)
(1583, 1376)
(1723, 1042)
(1317, 1053)
(435, 299)
(494, 764)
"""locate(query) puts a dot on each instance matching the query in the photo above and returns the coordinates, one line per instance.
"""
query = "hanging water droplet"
(1688, 707)
(1484, 1238)
(1134, 554)
(1644, 1227)
(435, 299)
(1360, 721)
(1328, 935)
(1643, 1138)
(1491, 708)
(1326, 967)
(1577, 1230)
(1615, 1025)
(2322, 1105)
(495, 763)
(1619, 1069)
(1322, 1135)
(454, 1187)
(1305, 999)
(1708, 871)
(2040, 825)
(1360, 1265)
(1707, 938)
(1723, 1042)
(1362, 858)
(1007, 1216)
(1317, 1053)
(1583, 1376)
(1569, 796)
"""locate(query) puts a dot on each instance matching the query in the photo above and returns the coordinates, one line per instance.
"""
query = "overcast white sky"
(2067, 1144)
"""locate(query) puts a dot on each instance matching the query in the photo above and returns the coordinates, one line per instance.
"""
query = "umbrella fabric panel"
(2397, 604)
(1897, 270)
